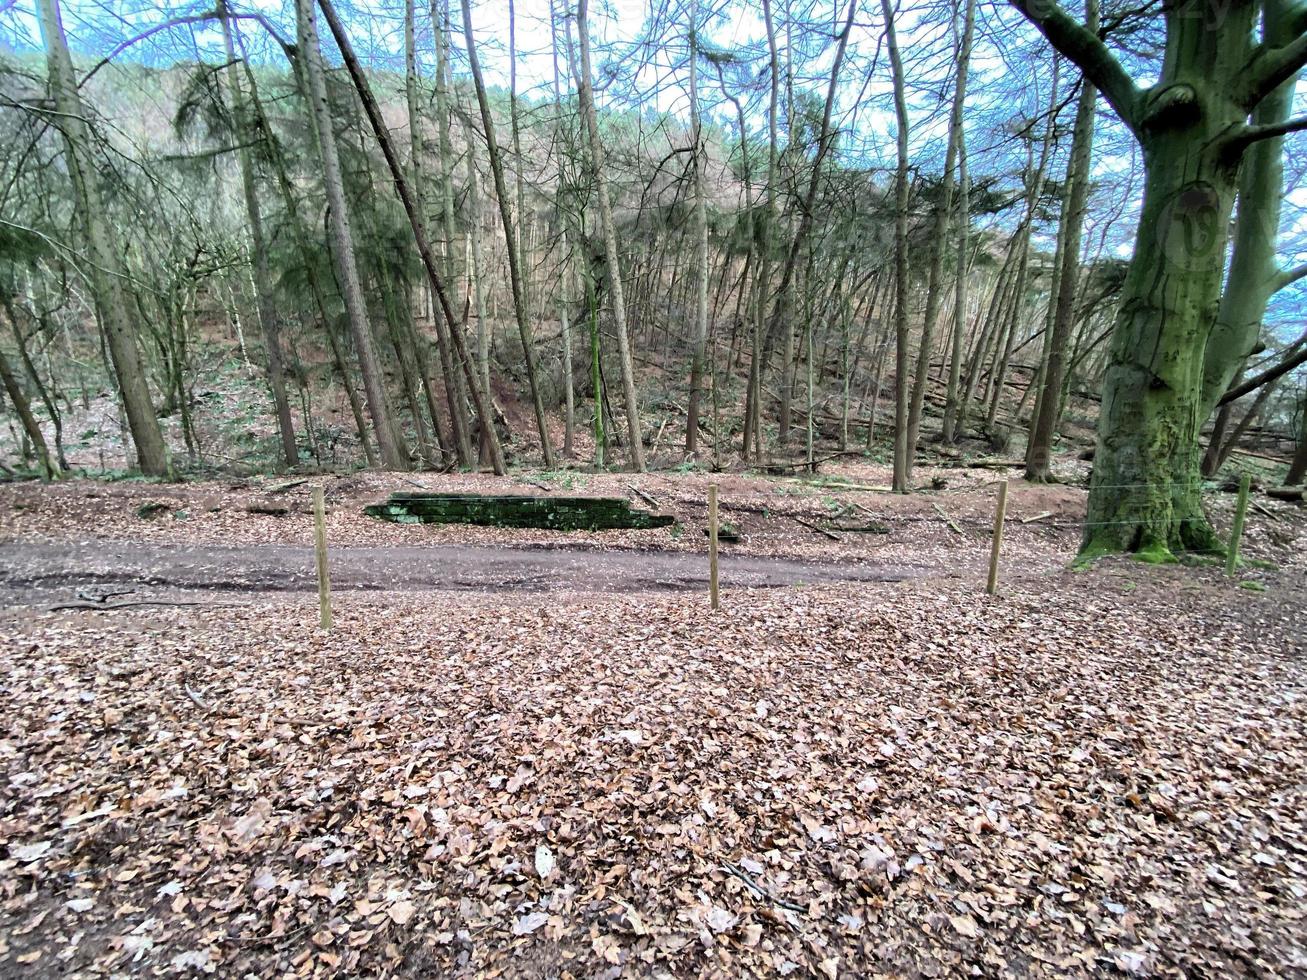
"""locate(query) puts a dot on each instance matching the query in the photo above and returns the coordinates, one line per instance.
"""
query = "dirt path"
(40, 571)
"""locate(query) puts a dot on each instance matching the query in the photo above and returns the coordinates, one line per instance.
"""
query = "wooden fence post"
(999, 511)
(712, 545)
(1236, 533)
(320, 546)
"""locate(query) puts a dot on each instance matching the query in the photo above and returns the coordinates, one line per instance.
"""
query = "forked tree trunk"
(1253, 275)
(103, 252)
(1144, 495)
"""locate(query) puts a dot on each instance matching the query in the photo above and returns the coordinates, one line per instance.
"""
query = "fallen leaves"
(834, 782)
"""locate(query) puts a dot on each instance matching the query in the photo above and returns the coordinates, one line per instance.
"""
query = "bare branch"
(1287, 277)
(1088, 51)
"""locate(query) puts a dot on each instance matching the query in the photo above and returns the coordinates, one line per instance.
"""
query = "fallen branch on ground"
(643, 496)
(947, 520)
(761, 892)
(136, 602)
(811, 526)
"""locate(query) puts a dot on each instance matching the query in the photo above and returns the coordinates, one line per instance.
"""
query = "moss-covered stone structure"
(512, 510)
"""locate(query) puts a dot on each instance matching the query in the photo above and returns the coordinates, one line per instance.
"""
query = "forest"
(653, 487)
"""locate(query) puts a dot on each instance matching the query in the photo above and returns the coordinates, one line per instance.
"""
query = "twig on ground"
(61, 607)
(820, 530)
(761, 892)
(100, 598)
(284, 487)
(1037, 517)
(643, 496)
(946, 519)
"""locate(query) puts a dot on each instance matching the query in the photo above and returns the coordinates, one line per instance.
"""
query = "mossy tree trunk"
(1193, 129)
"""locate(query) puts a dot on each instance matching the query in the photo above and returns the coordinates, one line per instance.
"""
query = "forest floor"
(533, 753)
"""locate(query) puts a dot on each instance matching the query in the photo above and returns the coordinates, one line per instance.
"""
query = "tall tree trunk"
(23, 408)
(480, 396)
(565, 295)
(949, 433)
(457, 441)
(445, 148)
(392, 453)
(510, 239)
(105, 265)
(586, 95)
(782, 322)
(700, 244)
(763, 233)
(287, 193)
(939, 238)
(902, 468)
(1298, 467)
(1039, 448)
(1253, 276)
(476, 267)
(259, 252)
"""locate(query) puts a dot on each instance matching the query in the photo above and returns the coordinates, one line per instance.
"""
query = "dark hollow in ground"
(33, 572)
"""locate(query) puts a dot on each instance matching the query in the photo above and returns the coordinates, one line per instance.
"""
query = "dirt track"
(41, 571)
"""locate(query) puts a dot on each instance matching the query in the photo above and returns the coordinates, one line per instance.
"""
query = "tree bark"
(480, 397)
(259, 252)
(103, 254)
(1039, 448)
(939, 238)
(586, 96)
(1253, 276)
(700, 244)
(23, 408)
(392, 453)
(902, 467)
(510, 239)
(1145, 492)
(1298, 467)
